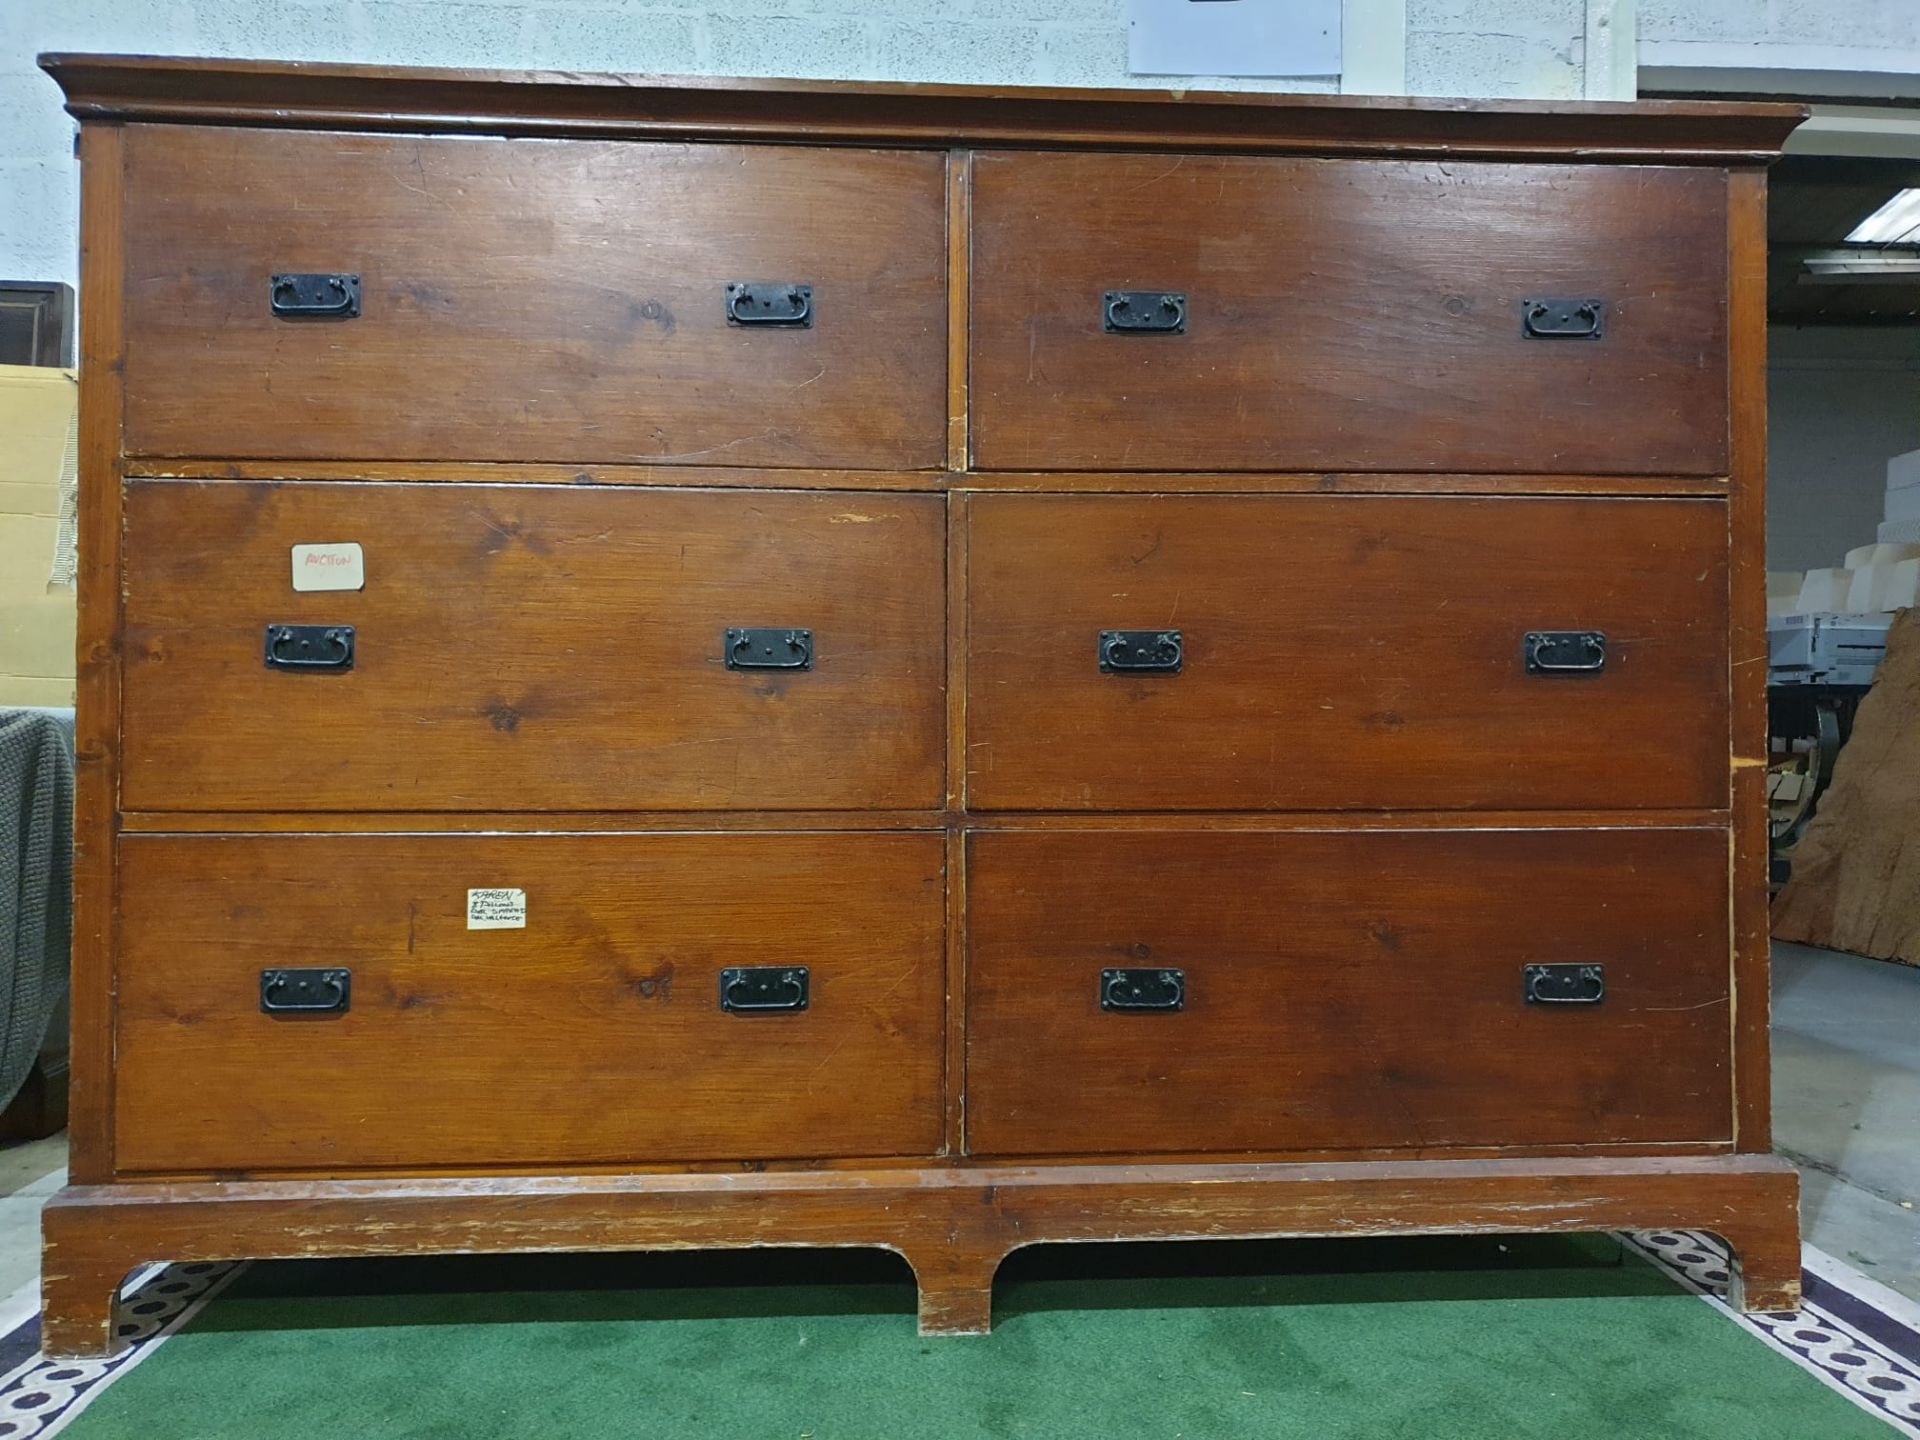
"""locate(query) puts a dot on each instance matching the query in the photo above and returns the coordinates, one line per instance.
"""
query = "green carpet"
(1464, 1337)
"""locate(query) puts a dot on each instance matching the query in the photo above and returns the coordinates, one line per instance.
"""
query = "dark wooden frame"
(952, 1217)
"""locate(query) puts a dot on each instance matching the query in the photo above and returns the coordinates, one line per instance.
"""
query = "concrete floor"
(1846, 1105)
(1846, 1101)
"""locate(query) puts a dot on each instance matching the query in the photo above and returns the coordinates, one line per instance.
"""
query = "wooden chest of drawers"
(743, 663)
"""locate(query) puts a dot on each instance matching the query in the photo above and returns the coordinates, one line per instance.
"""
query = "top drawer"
(529, 300)
(1346, 315)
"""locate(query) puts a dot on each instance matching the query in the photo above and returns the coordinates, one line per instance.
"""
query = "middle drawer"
(534, 647)
(1345, 653)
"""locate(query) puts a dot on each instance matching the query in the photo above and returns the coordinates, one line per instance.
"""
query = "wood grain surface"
(535, 647)
(1354, 652)
(534, 300)
(1346, 316)
(1345, 990)
(593, 1034)
(305, 94)
(952, 1226)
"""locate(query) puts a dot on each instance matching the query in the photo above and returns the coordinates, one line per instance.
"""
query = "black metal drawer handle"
(306, 992)
(314, 297)
(1565, 652)
(775, 304)
(1161, 990)
(1141, 652)
(776, 648)
(764, 989)
(1564, 984)
(310, 647)
(1552, 319)
(1144, 312)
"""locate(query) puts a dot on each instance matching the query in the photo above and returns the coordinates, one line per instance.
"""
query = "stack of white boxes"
(1879, 577)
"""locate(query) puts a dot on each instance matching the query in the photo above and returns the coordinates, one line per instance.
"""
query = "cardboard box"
(37, 405)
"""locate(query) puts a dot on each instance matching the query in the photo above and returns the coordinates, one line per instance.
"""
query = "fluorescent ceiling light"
(1893, 222)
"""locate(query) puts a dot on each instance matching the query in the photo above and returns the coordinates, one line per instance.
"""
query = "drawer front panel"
(531, 647)
(1353, 652)
(1345, 315)
(592, 1035)
(1344, 990)
(533, 300)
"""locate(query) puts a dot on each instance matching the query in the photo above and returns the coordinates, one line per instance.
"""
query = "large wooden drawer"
(1346, 315)
(594, 1034)
(1345, 990)
(558, 300)
(1346, 653)
(534, 647)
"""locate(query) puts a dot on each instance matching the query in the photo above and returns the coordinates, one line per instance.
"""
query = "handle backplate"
(1143, 312)
(310, 647)
(314, 297)
(1564, 984)
(764, 989)
(306, 992)
(1150, 990)
(778, 304)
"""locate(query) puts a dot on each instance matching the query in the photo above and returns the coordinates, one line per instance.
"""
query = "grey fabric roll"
(36, 884)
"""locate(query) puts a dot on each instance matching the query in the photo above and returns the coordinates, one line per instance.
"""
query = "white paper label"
(329, 567)
(496, 909)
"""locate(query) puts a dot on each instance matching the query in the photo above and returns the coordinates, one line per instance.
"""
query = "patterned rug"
(1858, 1339)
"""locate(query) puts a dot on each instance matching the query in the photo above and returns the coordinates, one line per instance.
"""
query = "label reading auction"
(340, 566)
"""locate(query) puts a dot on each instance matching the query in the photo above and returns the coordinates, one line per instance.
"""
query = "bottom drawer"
(595, 1034)
(1347, 990)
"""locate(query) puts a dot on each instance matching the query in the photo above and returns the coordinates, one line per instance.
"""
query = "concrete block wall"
(1507, 48)
(1868, 24)
(1455, 47)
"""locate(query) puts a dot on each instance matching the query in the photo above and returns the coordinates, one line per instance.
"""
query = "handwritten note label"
(329, 567)
(496, 909)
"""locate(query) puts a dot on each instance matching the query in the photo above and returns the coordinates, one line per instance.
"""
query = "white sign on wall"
(1233, 37)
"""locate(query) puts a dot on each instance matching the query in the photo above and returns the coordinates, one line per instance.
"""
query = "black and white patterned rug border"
(1857, 1337)
(40, 1397)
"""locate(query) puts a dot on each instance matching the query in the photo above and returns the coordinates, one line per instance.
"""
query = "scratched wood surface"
(1352, 652)
(534, 647)
(1348, 316)
(533, 300)
(592, 1034)
(1345, 990)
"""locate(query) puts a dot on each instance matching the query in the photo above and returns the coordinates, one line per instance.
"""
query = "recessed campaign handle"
(1144, 312)
(777, 647)
(1142, 652)
(1156, 990)
(310, 647)
(1564, 984)
(314, 297)
(306, 992)
(763, 989)
(1565, 652)
(1552, 319)
(777, 304)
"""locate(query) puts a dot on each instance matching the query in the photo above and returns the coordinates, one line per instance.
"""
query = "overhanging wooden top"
(550, 102)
